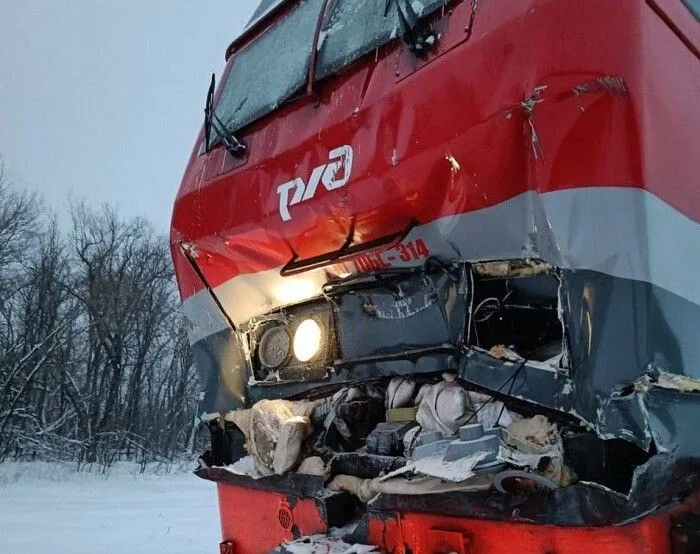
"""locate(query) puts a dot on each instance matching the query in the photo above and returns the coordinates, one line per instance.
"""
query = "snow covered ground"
(52, 508)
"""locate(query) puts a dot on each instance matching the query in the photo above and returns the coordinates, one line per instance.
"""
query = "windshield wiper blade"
(417, 34)
(359, 279)
(208, 112)
(233, 145)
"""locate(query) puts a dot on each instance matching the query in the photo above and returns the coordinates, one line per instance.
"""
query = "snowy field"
(51, 508)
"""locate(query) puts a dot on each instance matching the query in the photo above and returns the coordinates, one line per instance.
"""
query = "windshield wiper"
(208, 112)
(233, 145)
(360, 279)
(418, 35)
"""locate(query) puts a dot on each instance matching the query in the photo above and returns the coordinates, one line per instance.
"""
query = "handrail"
(347, 250)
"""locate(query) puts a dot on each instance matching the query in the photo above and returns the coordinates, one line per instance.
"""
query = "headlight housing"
(292, 344)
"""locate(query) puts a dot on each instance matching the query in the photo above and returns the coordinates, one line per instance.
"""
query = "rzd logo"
(333, 175)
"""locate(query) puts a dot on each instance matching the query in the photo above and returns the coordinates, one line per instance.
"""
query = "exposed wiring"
(484, 303)
(510, 390)
(510, 380)
(470, 315)
(491, 299)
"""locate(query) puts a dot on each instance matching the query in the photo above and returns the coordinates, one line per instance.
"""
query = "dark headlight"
(273, 350)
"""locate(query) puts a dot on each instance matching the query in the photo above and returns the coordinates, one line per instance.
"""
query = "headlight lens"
(274, 347)
(307, 340)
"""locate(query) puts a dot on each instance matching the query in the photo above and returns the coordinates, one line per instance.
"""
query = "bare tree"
(94, 361)
(123, 282)
(19, 217)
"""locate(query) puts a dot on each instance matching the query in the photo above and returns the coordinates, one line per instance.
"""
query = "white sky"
(103, 100)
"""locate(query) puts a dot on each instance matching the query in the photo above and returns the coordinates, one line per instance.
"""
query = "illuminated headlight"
(308, 338)
(274, 347)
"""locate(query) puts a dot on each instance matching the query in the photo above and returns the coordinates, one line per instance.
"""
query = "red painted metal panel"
(428, 534)
(635, 130)
(254, 521)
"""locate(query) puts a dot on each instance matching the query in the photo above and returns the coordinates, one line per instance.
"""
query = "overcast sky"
(103, 99)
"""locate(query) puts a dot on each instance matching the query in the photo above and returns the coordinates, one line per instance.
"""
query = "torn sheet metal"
(656, 484)
(414, 324)
(534, 383)
(621, 481)
(425, 310)
(671, 417)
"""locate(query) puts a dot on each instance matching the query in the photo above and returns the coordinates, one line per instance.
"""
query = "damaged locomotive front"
(438, 261)
(448, 382)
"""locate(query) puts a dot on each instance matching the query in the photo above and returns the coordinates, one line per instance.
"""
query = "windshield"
(356, 27)
(271, 69)
(265, 7)
(274, 67)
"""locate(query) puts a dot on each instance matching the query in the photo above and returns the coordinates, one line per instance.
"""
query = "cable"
(499, 305)
(510, 389)
(482, 304)
(510, 380)
(470, 313)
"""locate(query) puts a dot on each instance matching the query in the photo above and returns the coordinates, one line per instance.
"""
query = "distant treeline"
(94, 361)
